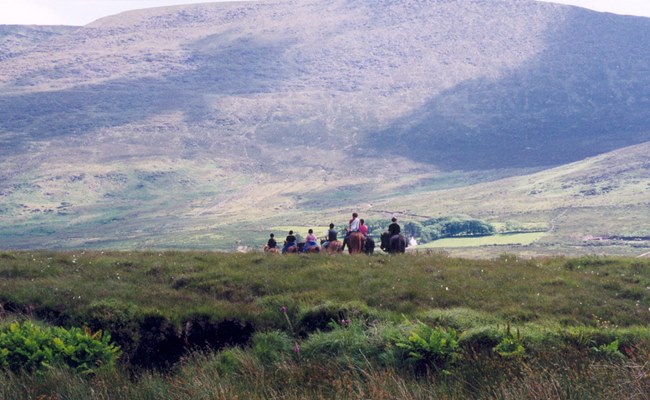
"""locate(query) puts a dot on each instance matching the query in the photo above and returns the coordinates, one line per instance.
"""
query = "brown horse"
(356, 243)
(313, 249)
(271, 250)
(334, 246)
(292, 249)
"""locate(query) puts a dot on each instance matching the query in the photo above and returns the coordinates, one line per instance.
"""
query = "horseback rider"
(271, 244)
(392, 241)
(353, 226)
(370, 242)
(290, 241)
(394, 228)
(354, 223)
(310, 241)
(363, 228)
(332, 235)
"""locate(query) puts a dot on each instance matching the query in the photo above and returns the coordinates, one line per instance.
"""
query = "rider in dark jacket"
(394, 228)
(332, 235)
(271, 244)
(289, 242)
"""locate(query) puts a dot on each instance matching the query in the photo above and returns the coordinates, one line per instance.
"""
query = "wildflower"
(286, 317)
(296, 348)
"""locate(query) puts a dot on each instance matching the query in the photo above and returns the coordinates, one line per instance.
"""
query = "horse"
(369, 248)
(334, 246)
(393, 244)
(291, 249)
(356, 243)
(271, 250)
(311, 249)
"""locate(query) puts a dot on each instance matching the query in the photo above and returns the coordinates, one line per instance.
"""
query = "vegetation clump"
(438, 228)
(30, 347)
(427, 347)
(510, 345)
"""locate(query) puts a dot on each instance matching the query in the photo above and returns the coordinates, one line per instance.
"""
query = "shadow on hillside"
(234, 66)
(589, 93)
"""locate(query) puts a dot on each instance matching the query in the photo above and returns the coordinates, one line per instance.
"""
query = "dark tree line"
(438, 228)
(431, 229)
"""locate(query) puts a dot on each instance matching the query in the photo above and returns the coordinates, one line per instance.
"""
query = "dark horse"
(393, 244)
(370, 246)
(356, 243)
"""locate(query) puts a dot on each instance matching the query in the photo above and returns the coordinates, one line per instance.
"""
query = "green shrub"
(428, 347)
(26, 346)
(339, 340)
(118, 317)
(608, 351)
(229, 361)
(271, 347)
(510, 346)
(351, 343)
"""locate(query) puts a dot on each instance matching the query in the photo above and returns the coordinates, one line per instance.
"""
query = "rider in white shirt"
(353, 226)
(354, 223)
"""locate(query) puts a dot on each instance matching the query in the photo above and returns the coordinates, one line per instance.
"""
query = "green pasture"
(523, 239)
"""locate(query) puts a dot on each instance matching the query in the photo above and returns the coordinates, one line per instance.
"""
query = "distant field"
(516, 238)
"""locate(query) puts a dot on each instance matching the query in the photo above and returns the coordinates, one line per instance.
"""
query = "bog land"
(415, 326)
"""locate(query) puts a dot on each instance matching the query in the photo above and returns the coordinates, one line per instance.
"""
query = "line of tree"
(431, 229)
(444, 227)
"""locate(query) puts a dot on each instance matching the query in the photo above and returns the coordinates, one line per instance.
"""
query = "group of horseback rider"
(356, 239)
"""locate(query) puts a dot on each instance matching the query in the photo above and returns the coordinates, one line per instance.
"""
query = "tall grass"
(204, 376)
(252, 326)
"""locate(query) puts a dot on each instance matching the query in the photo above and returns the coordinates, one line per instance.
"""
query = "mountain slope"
(602, 196)
(445, 78)
(237, 116)
(579, 96)
(16, 40)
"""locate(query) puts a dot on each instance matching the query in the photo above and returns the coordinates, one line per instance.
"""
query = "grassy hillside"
(202, 126)
(16, 40)
(338, 326)
(204, 206)
(596, 197)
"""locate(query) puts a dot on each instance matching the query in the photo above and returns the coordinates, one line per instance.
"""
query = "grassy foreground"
(216, 325)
